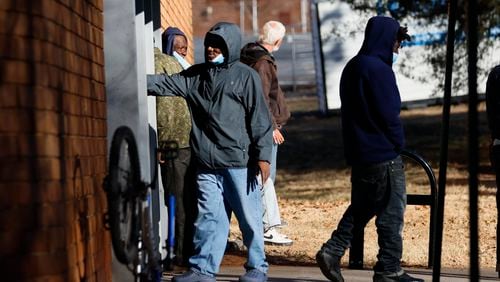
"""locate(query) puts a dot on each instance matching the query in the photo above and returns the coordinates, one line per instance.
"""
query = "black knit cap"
(216, 41)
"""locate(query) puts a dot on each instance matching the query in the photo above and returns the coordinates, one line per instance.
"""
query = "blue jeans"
(270, 206)
(274, 159)
(377, 190)
(238, 188)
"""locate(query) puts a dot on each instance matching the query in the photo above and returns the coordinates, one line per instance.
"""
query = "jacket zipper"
(213, 73)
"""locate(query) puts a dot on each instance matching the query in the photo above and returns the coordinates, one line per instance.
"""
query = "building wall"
(53, 141)
(208, 12)
(179, 13)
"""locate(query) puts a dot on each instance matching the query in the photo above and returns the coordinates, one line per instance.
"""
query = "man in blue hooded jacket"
(373, 138)
(231, 139)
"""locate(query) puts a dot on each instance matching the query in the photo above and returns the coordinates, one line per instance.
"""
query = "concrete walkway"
(313, 274)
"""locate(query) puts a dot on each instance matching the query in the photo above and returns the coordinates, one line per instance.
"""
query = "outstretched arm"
(167, 85)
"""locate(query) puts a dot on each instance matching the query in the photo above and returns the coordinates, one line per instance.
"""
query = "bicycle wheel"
(123, 200)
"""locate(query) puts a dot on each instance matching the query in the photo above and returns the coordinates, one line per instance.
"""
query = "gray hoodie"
(231, 122)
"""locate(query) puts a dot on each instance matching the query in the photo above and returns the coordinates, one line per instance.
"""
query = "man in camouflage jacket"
(174, 127)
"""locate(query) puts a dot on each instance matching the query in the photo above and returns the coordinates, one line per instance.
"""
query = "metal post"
(319, 61)
(473, 137)
(445, 132)
(255, 24)
(242, 16)
(294, 59)
(303, 15)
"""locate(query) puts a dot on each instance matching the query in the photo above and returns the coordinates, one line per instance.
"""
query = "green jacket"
(172, 113)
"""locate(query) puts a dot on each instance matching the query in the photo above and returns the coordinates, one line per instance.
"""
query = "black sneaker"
(253, 275)
(330, 266)
(193, 276)
(401, 276)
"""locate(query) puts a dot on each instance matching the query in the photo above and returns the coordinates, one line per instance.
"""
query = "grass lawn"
(313, 187)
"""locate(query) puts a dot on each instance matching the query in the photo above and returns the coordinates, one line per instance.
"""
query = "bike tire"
(123, 200)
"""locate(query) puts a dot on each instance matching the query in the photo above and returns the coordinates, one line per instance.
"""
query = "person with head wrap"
(174, 127)
(175, 44)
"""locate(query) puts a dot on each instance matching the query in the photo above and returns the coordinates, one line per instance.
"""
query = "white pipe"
(303, 15)
(255, 24)
(242, 16)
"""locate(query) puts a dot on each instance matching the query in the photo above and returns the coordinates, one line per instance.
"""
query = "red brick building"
(53, 138)
(242, 12)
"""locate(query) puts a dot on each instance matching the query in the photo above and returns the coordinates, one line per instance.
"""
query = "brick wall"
(53, 141)
(208, 12)
(179, 13)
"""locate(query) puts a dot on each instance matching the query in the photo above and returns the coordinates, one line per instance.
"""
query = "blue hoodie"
(370, 100)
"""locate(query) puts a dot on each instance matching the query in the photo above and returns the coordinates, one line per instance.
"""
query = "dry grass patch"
(313, 186)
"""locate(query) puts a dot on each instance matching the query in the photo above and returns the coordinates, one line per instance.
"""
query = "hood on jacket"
(167, 38)
(228, 36)
(380, 35)
(252, 52)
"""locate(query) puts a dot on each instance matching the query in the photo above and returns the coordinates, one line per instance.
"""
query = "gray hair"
(272, 31)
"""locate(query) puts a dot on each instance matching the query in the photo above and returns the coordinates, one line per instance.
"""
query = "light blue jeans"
(238, 187)
(274, 159)
(270, 206)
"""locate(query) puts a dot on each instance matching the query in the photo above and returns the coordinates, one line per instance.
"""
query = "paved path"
(313, 274)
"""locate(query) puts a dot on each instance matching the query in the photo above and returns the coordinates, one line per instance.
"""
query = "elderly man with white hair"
(259, 56)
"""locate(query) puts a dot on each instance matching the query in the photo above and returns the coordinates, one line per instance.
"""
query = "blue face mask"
(181, 60)
(218, 60)
(394, 57)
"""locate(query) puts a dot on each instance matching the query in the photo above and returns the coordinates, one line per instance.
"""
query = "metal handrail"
(431, 200)
(357, 243)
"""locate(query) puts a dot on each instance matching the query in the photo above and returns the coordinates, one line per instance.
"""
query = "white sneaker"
(273, 237)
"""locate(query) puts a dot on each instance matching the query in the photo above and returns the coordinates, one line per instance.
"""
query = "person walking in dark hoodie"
(231, 140)
(373, 138)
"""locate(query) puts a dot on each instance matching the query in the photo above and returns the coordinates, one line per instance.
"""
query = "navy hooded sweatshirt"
(370, 100)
